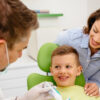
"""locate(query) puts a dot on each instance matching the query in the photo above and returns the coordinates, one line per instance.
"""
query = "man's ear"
(2, 41)
(79, 70)
(2, 44)
(3, 56)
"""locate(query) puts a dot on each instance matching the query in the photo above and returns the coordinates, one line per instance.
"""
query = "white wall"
(93, 5)
(75, 11)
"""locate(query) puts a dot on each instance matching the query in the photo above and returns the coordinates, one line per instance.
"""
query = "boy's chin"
(64, 85)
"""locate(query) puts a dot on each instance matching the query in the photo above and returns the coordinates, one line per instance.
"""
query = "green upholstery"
(44, 62)
(36, 78)
(44, 56)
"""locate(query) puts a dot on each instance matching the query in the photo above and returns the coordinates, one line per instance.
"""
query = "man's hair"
(92, 18)
(64, 50)
(15, 21)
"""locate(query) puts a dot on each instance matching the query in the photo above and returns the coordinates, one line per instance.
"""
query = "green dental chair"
(44, 62)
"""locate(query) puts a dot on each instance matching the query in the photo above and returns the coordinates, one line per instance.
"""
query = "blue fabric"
(77, 39)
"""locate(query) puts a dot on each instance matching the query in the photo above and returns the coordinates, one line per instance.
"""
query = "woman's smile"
(94, 42)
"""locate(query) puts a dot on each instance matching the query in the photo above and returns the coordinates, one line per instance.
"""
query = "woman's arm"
(92, 86)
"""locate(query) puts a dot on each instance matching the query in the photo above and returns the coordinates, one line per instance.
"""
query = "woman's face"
(14, 53)
(95, 36)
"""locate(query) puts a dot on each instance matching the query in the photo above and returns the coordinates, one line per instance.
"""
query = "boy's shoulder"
(75, 93)
(71, 89)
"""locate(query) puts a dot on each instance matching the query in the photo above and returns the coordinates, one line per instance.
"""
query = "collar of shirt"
(85, 41)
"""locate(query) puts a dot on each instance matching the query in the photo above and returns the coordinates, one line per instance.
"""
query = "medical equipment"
(54, 92)
(68, 99)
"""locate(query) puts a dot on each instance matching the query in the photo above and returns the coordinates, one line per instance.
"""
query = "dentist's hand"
(38, 92)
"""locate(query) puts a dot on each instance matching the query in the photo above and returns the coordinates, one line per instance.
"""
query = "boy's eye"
(56, 66)
(68, 66)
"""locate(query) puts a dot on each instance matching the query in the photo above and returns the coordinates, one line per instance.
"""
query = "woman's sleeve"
(69, 37)
(95, 78)
(63, 38)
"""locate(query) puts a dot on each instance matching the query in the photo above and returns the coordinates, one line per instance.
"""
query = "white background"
(75, 11)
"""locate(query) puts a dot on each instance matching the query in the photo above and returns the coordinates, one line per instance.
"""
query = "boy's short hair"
(63, 50)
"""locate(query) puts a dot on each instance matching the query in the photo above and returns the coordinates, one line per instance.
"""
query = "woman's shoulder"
(70, 36)
(75, 33)
(72, 33)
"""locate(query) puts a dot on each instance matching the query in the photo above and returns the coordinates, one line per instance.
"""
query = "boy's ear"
(79, 70)
(51, 70)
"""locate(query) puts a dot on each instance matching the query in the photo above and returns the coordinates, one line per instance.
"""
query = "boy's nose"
(63, 70)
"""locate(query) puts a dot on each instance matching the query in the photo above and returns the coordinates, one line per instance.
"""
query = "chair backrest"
(44, 62)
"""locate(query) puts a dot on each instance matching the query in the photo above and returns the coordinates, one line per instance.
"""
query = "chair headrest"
(44, 56)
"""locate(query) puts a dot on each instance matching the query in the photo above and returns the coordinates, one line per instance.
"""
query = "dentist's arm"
(38, 92)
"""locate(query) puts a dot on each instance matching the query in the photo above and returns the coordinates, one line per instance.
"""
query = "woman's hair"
(64, 50)
(92, 18)
(15, 21)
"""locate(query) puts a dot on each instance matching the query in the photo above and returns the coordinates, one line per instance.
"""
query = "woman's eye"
(95, 31)
(68, 66)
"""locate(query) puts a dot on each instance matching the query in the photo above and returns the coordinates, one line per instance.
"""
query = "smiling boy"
(65, 67)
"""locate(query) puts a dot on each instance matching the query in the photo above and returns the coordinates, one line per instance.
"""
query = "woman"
(87, 42)
(16, 24)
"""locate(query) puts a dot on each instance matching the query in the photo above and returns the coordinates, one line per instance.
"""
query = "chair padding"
(44, 62)
(44, 56)
(34, 79)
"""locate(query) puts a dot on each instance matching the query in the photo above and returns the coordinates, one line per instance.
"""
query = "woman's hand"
(92, 89)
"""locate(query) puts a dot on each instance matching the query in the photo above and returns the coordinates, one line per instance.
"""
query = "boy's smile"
(63, 78)
(64, 69)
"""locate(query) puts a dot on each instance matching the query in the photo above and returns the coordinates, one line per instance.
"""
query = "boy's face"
(64, 69)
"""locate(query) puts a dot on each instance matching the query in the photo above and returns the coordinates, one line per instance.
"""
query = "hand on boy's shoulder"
(92, 89)
(75, 93)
